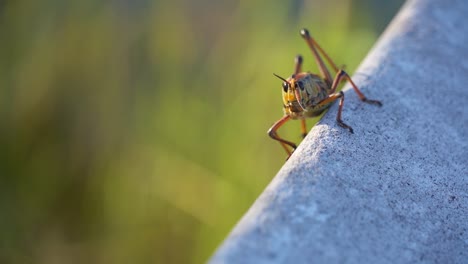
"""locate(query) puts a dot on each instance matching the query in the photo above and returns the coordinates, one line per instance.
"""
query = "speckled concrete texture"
(396, 191)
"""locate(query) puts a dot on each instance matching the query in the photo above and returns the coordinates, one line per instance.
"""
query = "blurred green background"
(135, 131)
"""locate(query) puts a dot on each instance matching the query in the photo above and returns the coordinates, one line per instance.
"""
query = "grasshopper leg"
(316, 49)
(297, 64)
(362, 97)
(303, 128)
(342, 75)
(331, 98)
(272, 133)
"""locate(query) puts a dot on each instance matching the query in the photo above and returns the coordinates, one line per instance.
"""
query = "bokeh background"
(135, 131)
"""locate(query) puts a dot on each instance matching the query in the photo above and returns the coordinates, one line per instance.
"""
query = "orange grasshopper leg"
(316, 51)
(272, 133)
(360, 94)
(339, 77)
(303, 128)
(297, 64)
(331, 98)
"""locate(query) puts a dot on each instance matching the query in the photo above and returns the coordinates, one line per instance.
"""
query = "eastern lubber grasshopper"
(307, 95)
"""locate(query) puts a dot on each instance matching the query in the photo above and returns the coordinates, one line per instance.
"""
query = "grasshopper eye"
(285, 87)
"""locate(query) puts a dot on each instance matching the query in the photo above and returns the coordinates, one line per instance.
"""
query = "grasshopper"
(307, 95)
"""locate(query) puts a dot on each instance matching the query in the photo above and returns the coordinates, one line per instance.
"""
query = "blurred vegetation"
(135, 131)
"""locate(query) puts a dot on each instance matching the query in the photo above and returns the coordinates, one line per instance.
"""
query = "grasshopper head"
(292, 94)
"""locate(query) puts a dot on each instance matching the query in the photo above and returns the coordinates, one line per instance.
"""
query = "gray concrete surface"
(396, 191)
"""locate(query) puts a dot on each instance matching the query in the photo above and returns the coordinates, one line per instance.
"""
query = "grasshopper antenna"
(281, 78)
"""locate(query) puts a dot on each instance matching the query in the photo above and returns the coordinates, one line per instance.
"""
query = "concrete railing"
(395, 191)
